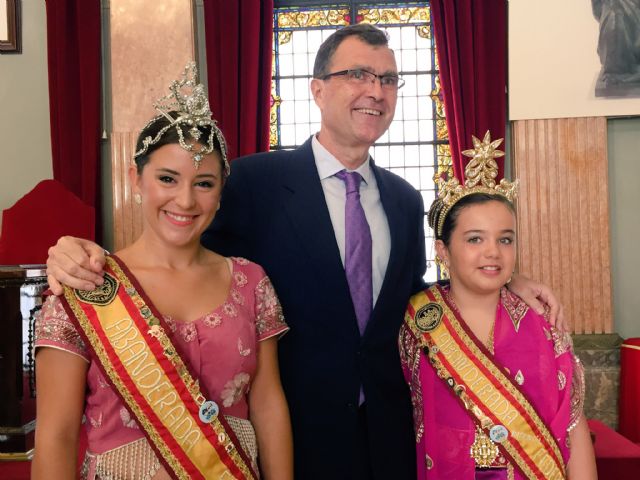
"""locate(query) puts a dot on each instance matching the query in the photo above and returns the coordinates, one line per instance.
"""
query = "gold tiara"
(480, 174)
(188, 99)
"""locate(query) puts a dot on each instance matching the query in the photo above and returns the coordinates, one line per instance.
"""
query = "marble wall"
(600, 355)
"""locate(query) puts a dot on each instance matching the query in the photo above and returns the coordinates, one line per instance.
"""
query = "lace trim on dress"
(135, 460)
(246, 435)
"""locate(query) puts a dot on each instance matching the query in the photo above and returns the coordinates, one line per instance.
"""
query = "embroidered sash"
(491, 399)
(128, 340)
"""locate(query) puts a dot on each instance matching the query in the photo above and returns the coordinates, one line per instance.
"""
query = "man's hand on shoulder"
(75, 262)
(540, 298)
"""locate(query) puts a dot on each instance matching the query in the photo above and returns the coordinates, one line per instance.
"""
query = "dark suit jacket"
(274, 213)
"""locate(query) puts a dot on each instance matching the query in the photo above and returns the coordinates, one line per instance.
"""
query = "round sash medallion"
(428, 317)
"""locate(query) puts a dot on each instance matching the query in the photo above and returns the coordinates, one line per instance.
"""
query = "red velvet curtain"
(239, 49)
(471, 45)
(74, 55)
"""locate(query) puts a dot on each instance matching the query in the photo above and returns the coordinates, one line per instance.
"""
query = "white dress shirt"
(335, 194)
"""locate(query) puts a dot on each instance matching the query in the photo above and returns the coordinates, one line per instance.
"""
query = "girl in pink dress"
(221, 314)
(497, 393)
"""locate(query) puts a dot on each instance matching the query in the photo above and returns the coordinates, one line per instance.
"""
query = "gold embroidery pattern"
(102, 295)
(53, 325)
(410, 358)
(269, 317)
(562, 380)
(515, 307)
(562, 342)
(428, 317)
(577, 394)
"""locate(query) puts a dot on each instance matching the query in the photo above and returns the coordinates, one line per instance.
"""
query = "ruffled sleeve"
(269, 318)
(54, 328)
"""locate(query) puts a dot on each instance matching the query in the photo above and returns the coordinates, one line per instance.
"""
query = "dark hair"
(170, 136)
(364, 31)
(452, 215)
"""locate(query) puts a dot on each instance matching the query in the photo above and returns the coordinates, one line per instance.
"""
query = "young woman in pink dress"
(174, 368)
(497, 392)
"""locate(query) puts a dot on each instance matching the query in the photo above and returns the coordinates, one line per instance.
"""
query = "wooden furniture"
(36, 221)
(21, 289)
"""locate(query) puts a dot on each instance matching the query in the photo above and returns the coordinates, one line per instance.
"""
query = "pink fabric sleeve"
(55, 329)
(563, 345)
(269, 317)
(577, 392)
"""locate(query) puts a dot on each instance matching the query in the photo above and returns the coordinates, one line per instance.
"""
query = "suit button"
(351, 406)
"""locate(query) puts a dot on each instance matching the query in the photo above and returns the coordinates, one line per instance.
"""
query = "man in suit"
(350, 406)
(286, 211)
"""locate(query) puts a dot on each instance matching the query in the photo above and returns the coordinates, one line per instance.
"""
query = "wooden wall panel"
(563, 214)
(150, 44)
(127, 215)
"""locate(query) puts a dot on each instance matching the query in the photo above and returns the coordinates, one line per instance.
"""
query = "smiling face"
(178, 201)
(355, 115)
(481, 252)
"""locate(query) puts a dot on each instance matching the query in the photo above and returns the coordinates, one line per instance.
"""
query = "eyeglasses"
(360, 77)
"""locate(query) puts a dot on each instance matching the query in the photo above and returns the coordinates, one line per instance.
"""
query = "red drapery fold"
(239, 51)
(471, 45)
(74, 55)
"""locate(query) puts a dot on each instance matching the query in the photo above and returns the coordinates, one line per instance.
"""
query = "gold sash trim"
(127, 338)
(486, 393)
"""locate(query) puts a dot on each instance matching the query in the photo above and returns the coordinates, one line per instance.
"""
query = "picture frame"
(10, 34)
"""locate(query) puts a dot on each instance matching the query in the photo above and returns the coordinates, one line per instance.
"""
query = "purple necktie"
(357, 262)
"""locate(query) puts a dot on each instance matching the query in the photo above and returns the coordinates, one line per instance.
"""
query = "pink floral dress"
(220, 348)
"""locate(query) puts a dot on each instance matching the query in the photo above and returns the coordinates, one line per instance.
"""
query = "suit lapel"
(397, 229)
(307, 210)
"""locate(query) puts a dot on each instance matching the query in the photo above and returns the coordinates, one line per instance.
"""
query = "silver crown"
(189, 100)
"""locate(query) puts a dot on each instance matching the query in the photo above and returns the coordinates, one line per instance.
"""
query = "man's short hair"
(364, 31)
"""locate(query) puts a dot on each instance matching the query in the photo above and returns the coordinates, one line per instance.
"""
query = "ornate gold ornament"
(103, 294)
(483, 450)
(428, 317)
(480, 174)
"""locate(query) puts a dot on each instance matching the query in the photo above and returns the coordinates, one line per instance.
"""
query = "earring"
(137, 198)
(443, 265)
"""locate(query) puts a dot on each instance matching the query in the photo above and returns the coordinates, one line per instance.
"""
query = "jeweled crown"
(188, 99)
(480, 177)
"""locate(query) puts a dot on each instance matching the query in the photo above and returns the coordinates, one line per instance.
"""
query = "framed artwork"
(10, 40)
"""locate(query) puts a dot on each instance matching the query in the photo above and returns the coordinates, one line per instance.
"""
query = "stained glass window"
(416, 144)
